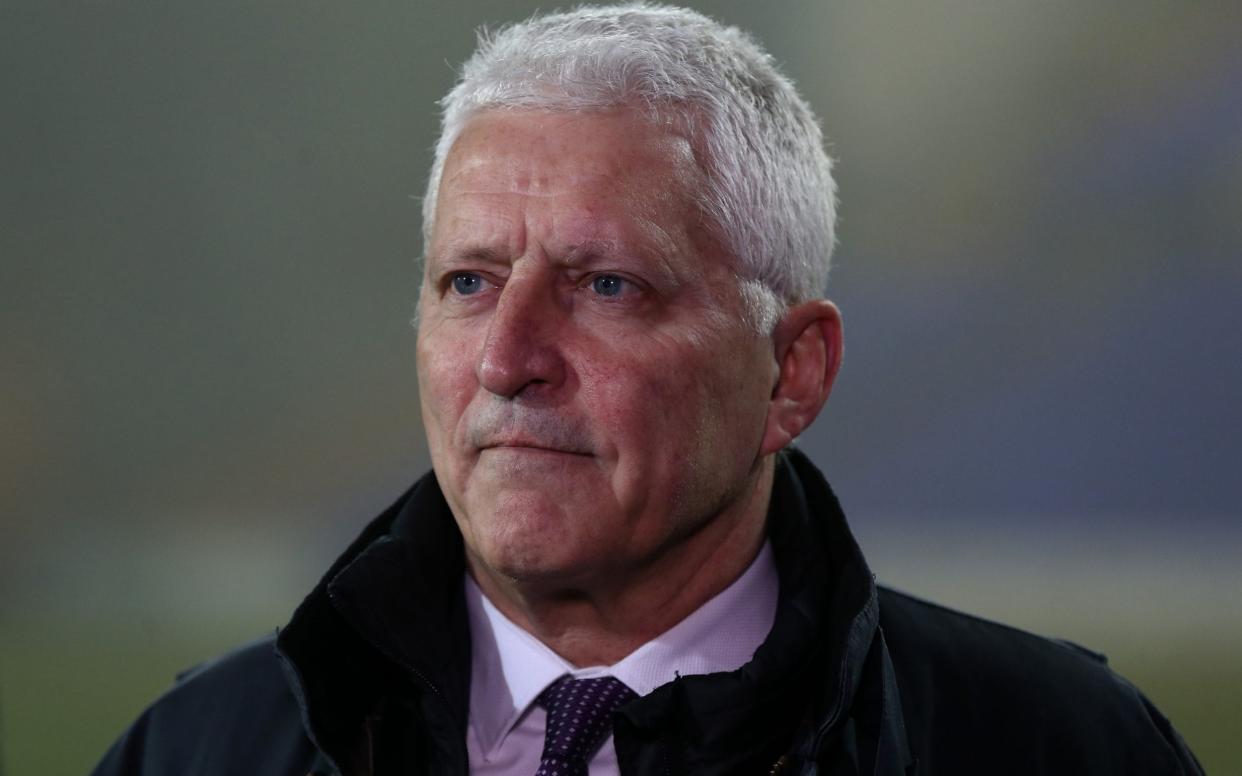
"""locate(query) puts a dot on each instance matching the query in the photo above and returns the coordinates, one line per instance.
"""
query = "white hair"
(769, 198)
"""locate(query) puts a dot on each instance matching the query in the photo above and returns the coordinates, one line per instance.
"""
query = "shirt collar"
(510, 667)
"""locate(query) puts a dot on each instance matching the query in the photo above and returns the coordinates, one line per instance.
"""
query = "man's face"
(592, 394)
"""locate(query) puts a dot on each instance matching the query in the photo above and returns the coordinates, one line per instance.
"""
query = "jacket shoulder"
(235, 714)
(979, 696)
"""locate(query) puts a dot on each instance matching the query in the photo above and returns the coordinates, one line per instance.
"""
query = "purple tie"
(579, 719)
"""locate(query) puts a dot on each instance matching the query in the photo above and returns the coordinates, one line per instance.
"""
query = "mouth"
(528, 446)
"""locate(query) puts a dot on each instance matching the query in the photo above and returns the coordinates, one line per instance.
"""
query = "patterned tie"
(579, 719)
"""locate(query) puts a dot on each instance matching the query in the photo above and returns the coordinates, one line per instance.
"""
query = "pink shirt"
(510, 667)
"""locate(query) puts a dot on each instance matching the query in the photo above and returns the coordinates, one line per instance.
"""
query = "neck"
(600, 622)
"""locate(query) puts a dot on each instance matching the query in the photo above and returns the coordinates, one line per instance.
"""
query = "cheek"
(659, 405)
(445, 381)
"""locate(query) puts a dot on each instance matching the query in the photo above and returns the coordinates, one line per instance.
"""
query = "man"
(619, 564)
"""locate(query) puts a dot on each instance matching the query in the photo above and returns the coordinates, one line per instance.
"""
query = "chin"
(523, 540)
(538, 565)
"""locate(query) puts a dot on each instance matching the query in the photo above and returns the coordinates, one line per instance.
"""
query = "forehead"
(547, 152)
(593, 170)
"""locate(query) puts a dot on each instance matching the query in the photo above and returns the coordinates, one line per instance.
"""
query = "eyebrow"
(577, 255)
(470, 253)
(588, 249)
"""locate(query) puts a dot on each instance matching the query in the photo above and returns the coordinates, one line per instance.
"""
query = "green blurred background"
(208, 222)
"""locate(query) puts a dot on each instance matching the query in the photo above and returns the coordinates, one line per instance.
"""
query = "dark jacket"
(371, 676)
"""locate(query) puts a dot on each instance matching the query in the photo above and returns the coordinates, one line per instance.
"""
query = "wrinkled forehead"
(545, 153)
(604, 175)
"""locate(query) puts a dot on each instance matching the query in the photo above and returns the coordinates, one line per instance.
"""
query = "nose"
(521, 353)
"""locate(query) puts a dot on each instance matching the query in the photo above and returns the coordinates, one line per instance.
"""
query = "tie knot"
(579, 716)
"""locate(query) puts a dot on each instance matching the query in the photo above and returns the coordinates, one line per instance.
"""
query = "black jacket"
(371, 676)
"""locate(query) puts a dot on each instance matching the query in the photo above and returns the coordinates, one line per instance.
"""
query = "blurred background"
(209, 216)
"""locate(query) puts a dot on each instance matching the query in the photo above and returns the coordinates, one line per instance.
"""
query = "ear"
(808, 354)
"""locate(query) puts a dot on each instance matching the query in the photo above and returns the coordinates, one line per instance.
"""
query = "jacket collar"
(385, 627)
(391, 613)
(860, 726)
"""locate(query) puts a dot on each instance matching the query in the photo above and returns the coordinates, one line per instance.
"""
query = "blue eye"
(467, 283)
(607, 285)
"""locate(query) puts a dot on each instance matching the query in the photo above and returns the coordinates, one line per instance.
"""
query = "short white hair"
(769, 196)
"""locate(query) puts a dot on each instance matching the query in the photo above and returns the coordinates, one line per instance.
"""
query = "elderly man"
(619, 564)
